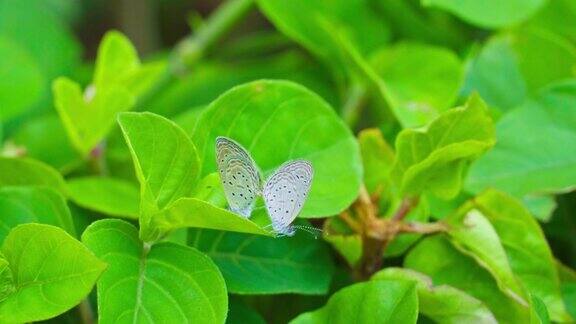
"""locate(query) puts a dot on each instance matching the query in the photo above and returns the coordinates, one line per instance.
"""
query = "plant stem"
(86, 314)
(377, 235)
(195, 46)
(192, 48)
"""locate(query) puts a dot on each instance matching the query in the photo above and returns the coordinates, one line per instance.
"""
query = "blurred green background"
(426, 56)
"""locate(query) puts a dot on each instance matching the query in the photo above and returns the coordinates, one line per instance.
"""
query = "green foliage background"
(442, 135)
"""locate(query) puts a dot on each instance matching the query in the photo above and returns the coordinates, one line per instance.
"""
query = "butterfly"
(284, 192)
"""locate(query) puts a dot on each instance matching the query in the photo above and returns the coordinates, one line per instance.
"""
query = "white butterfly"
(284, 192)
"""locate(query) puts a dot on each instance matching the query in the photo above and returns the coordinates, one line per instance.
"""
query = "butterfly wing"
(239, 175)
(285, 193)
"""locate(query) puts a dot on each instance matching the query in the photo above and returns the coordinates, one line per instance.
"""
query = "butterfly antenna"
(309, 229)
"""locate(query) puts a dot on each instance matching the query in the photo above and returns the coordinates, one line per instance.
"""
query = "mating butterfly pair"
(284, 192)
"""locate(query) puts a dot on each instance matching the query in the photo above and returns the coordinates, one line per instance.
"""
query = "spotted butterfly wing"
(239, 175)
(285, 193)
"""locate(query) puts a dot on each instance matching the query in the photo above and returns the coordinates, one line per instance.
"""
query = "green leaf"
(42, 34)
(518, 164)
(110, 196)
(28, 172)
(193, 212)
(166, 282)
(434, 159)
(527, 249)
(88, 117)
(7, 286)
(377, 160)
(437, 258)
(260, 265)
(559, 17)
(279, 121)
(421, 80)
(239, 313)
(513, 66)
(20, 205)
(45, 139)
(165, 160)
(21, 80)
(117, 63)
(116, 59)
(379, 301)
(52, 273)
(442, 304)
(353, 20)
(490, 13)
(568, 284)
(214, 77)
(473, 234)
(495, 74)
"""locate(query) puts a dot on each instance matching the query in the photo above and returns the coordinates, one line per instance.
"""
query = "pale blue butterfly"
(284, 192)
(239, 175)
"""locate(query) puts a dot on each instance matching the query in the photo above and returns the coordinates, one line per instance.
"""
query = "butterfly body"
(284, 192)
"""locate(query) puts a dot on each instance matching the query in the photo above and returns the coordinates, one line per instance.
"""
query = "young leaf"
(260, 265)
(490, 13)
(422, 80)
(28, 172)
(279, 121)
(166, 282)
(377, 160)
(378, 301)
(20, 205)
(473, 234)
(89, 117)
(193, 212)
(434, 159)
(437, 258)
(52, 273)
(117, 63)
(519, 164)
(442, 304)
(165, 160)
(110, 196)
(528, 252)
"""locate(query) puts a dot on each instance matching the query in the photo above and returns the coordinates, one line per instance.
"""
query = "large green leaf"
(490, 13)
(88, 117)
(534, 149)
(21, 80)
(473, 234)
(52, 273)
(378, 301)
(7, 286)
(279, 121)
(513, 66)
(526, 247)
(166, 282)
(421, 80)
(437, 258)
(352, 20)
(28, 172)
(443, 304)
(558, 16)
(259, 265)
(20, 205)
(434, 159)
(110, 196)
